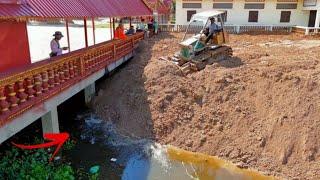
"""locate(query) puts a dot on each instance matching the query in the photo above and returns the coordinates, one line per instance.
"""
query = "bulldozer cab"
(205, 47)
(198, 42)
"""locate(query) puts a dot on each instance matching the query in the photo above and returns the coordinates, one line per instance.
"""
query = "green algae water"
(126, 158)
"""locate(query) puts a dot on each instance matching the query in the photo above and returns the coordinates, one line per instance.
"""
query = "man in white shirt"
(56, 50)
(213, 28)
(141, 26)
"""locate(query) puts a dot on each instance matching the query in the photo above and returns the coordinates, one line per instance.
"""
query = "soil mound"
(259, 109)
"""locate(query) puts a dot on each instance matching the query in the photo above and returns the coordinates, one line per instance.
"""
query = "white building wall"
(239, 16)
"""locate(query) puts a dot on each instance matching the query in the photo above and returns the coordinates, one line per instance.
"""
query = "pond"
(127, 158)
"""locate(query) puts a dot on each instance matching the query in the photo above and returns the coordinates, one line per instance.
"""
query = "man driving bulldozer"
(195, 53)
(213, 28)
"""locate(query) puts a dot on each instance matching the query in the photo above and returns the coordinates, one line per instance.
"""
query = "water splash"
(145, 160)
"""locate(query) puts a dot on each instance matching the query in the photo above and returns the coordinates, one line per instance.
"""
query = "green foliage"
(63, 172)
(69, 145)
(83, 174)
(38, 140)
(94, 176)
(32, 165)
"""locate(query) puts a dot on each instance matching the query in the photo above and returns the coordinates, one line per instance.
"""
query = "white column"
(307, 31)
(50, 122)
(237, 29)
(317, 23)
(89, 93)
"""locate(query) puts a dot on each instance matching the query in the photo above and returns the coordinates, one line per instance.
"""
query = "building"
(255, 12)
(161, 9)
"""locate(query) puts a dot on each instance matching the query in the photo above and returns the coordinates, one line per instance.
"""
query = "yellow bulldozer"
(205, 47)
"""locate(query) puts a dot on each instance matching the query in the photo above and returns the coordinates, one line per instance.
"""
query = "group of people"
(119, 33)
(152, 28)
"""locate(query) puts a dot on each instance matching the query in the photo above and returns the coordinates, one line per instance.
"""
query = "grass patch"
(32, 164)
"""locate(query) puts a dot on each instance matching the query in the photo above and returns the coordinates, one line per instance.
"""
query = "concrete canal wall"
(47, 110)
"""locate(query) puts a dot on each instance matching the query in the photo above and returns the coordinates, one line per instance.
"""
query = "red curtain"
(14, 45)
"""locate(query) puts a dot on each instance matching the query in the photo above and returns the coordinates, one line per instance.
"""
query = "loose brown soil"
(260, 109)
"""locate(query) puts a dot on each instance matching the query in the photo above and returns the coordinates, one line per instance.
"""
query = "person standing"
(150, 28)
(56, 49)
(141, 27)
(155, 26)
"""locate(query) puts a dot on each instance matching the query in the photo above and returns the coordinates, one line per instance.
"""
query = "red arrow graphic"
(56, 140)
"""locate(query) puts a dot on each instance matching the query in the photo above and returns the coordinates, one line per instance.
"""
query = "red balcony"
(23, 88)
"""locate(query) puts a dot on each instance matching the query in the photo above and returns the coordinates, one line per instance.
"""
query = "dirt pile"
(259, 109)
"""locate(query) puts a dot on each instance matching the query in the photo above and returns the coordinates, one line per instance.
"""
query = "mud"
(259, 109)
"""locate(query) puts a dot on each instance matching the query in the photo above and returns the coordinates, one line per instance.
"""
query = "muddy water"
(142, 159)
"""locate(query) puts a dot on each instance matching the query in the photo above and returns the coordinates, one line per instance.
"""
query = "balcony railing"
(23, 88)
(234, 29)
(306, 30)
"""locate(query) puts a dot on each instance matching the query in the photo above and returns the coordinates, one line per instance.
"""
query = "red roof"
(133, 7)
(162, 7)
(59, 8)
(9, 10)
(73, 8)
(112, 8)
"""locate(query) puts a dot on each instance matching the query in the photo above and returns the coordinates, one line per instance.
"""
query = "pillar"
(50, 122)
(94, 31)
(85, 32)
(307, 31)
(237, 29)
(111, 31)
(113, 26)
(68, 34)
(317, 23)
(89, 93)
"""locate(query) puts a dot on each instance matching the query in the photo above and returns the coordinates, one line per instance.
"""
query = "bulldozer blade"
(164, 58)
(186, 68)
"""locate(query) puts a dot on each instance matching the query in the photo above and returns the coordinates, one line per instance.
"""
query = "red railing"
(23, 88)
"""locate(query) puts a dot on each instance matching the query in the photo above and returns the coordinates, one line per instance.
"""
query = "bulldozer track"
(207, 57)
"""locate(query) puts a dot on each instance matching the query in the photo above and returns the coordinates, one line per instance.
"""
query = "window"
(189, 14)
(254, 6)
(285, 16)
(191, 5)
(222, 5)
(253, 16)
(287, 6)
(307, 3)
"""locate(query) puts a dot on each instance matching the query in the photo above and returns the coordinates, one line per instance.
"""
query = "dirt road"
(259, 109)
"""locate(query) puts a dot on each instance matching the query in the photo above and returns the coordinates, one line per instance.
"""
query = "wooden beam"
(113, 26)
(68, 35)
(111, 29)
(85, 32)
(94, 31)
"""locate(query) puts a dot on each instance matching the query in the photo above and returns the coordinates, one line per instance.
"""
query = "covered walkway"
(31, 91)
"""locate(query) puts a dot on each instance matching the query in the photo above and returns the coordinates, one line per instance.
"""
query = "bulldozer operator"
(212, 30)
